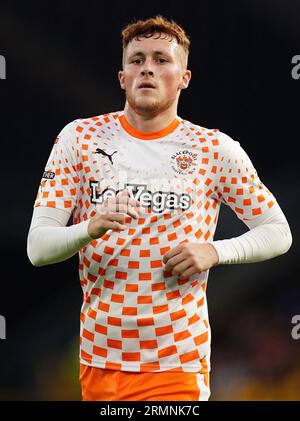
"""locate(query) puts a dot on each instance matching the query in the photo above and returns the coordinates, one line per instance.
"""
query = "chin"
(145, 106)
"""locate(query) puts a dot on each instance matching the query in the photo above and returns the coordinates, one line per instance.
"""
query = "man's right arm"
(50, 240)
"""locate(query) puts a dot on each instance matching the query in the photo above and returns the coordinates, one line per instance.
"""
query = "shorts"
(101, 384)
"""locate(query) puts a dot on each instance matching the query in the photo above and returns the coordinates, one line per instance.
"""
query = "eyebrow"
(156, 53)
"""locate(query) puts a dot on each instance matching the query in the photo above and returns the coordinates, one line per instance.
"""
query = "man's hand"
(112, 213)
(189, 258)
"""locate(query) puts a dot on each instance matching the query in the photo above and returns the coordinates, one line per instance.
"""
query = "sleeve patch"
(49, 175)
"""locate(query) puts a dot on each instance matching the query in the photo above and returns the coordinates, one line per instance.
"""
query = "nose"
(146, 68)
(146, 72)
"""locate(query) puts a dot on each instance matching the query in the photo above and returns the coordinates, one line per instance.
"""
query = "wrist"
(91, 229)
(214, 255)
(94, 231)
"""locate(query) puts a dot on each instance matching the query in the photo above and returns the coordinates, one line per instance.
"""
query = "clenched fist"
(189, 258)
(112, 213)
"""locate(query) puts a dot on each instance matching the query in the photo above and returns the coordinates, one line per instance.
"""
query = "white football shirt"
(135, 315)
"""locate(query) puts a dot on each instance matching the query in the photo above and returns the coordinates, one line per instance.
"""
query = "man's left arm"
(268, 236)
(237, 185)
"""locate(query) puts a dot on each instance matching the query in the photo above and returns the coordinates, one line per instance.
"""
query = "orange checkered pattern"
(135, 315)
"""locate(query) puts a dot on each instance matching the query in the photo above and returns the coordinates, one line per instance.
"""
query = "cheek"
(129, 80)
(171, 81)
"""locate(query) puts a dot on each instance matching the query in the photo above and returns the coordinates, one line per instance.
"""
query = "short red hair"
(158, 24)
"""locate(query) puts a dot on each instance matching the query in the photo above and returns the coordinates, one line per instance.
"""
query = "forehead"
(163, 43)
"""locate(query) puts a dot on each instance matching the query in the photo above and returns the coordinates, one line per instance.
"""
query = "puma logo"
(102, 152)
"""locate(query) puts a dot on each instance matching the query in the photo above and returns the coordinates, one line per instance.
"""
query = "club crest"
(184, 162)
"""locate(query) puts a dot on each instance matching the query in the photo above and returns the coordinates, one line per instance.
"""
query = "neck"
(146, 123)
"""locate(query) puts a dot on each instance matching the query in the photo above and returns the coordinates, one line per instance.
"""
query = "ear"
(121, 77)
(186, 77)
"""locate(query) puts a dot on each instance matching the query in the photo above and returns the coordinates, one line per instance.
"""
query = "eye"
(137, 61)
(162, 60)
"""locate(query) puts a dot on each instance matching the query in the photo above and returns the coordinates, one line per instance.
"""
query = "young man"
(145, 187)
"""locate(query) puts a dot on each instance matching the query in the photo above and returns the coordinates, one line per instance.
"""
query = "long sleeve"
(50, 240)
(267, 237)
(238, 186)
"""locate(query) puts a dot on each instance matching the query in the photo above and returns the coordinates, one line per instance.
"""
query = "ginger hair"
(156, 25)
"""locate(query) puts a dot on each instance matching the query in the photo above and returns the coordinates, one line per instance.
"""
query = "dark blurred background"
(62, 60)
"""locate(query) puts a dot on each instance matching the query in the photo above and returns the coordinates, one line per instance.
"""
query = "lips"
(146, 85)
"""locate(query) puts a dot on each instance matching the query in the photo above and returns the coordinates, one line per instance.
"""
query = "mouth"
(146, 85)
